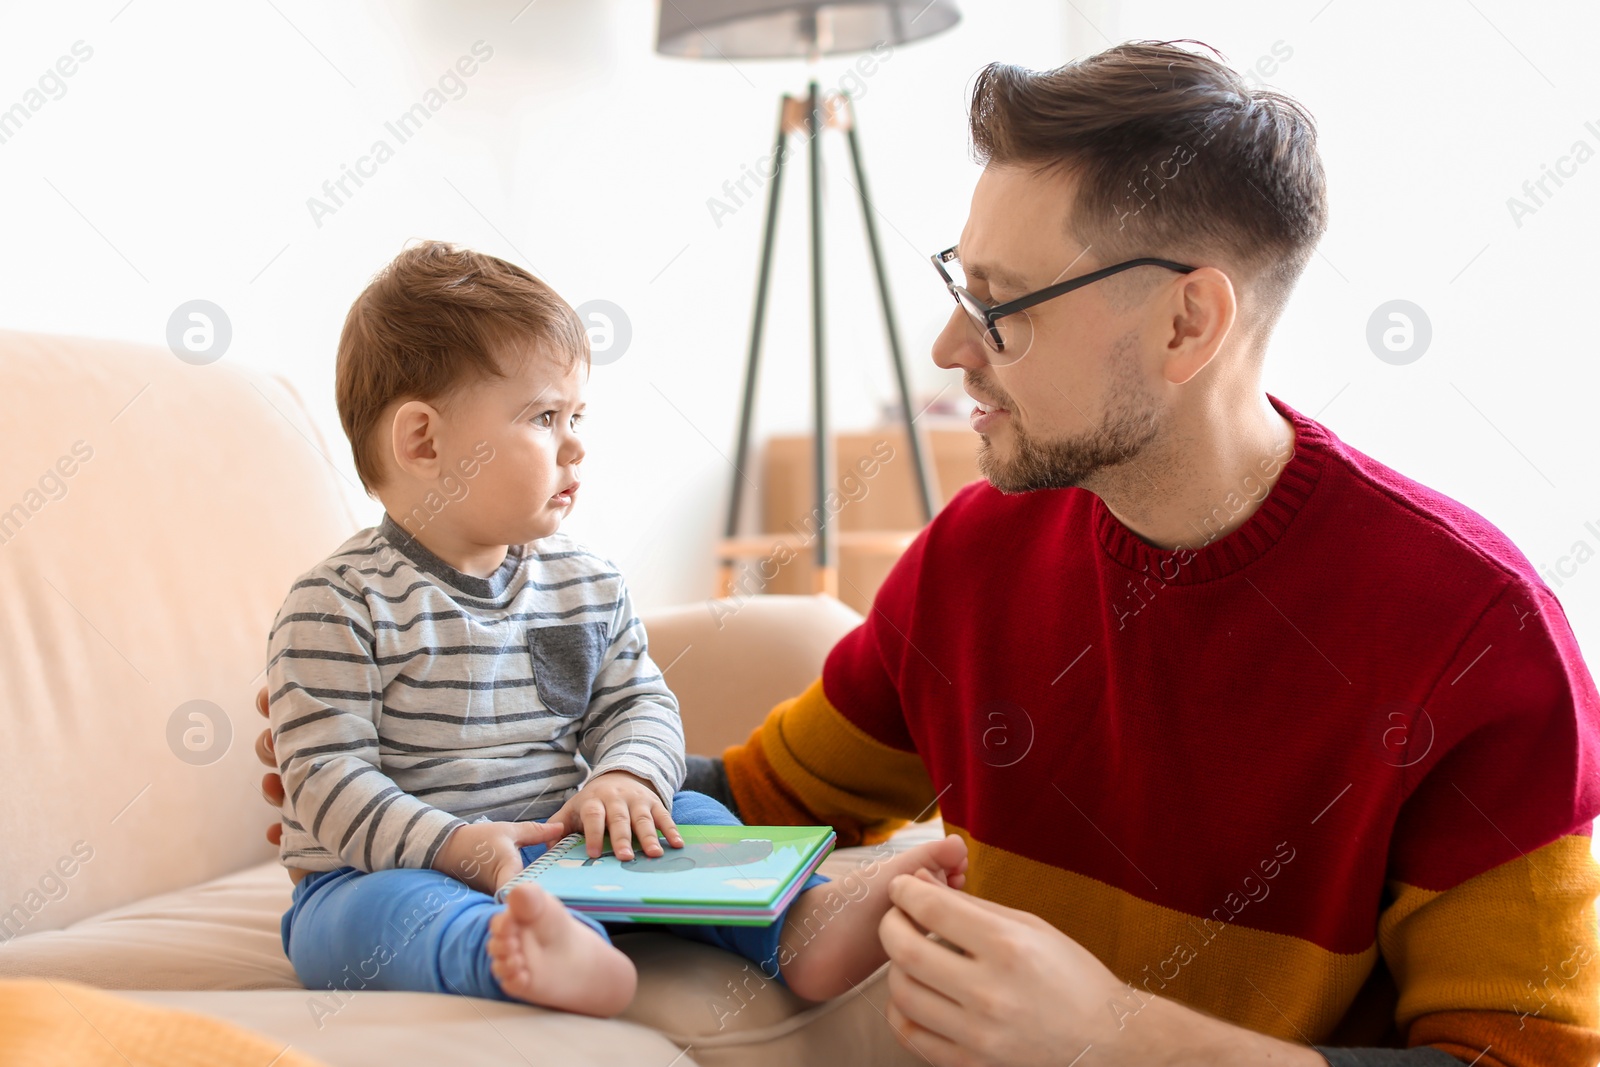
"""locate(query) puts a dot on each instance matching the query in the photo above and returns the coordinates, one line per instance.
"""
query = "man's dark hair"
(1176, 156)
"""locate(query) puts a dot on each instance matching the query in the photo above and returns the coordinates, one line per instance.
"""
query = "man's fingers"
(928, 1045)
(927, 1009)
(987, 905)
(272, 793)
(621, 832)
(955, 916)
(266, 751)
(272, 788)
(935, 966)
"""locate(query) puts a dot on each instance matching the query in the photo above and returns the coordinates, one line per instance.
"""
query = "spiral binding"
(533, 870)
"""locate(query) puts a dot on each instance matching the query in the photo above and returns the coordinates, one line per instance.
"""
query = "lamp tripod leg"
(826, 575)
(926, 486)
(780, 149)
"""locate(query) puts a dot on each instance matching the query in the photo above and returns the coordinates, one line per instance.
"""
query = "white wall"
(1432, 116)
(178, 164)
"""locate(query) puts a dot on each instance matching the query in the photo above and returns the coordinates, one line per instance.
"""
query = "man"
(1261, 749)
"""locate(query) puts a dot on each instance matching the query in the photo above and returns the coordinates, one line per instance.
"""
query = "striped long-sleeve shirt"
(407, 697)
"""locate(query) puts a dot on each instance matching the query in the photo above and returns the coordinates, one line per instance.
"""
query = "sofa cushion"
(152, 516)
(219, 935)
(223, 936)
(393, 1029)
(729, 661)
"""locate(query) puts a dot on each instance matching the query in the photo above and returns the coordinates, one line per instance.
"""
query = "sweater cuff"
(1421, 1056)
(707, 775)
(427, 837)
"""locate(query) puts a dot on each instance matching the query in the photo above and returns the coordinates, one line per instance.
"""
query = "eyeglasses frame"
(993, 312)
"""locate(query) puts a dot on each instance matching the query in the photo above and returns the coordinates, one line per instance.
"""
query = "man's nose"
(958, 344)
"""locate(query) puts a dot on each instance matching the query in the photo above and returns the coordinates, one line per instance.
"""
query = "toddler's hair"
(435, 318)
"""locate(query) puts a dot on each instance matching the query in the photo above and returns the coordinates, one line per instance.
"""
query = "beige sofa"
(152, 516)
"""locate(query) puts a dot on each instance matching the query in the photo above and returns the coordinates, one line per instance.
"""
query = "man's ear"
(413, 440)
(1198, 317)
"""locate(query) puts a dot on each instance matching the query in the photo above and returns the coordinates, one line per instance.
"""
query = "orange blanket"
(48, 1023)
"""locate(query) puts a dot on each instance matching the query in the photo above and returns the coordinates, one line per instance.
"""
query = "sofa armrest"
(729, 661)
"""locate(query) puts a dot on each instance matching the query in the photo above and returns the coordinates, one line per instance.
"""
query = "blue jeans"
(423, 931)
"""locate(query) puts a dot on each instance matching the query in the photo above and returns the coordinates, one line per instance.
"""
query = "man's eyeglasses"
(986, 318)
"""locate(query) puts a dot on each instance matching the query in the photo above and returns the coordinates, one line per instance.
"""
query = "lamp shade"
(774, 29)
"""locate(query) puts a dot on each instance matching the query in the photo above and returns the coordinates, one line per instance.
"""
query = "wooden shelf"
(870, 531)
(755, 546)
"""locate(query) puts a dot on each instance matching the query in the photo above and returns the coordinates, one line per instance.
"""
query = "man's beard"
(1129, 424)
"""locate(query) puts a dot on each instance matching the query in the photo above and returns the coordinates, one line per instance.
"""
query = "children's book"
(723, 875)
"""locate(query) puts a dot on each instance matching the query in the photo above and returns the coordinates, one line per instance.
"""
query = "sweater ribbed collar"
(424, 560)
(1225, 555)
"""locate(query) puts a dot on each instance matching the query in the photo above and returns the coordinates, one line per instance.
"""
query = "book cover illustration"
(719, 871)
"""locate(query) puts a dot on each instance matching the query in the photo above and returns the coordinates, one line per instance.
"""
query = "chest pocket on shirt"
(565, 661)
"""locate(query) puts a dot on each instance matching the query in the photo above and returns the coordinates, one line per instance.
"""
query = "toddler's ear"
(413, 435)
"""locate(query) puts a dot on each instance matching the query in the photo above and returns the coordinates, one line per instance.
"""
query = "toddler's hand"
(627, 805)
(486, 855)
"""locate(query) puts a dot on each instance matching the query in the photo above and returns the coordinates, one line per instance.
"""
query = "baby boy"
(458, 687)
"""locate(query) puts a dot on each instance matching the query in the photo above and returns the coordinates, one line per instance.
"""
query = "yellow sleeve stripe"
(807, 763)
(1272, 983)
(1520, 938)
(835, 767)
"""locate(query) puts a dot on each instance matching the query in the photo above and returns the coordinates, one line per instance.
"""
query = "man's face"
(1074, 388)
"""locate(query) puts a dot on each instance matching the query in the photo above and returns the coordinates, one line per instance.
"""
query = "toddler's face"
(511, 451)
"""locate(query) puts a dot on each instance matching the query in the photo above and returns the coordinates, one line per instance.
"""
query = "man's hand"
(1018, 991)
(486, 855)
(625, 804)
(272, 783)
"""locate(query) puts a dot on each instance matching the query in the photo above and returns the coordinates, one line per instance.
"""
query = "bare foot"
(830, 933)
(542, 954)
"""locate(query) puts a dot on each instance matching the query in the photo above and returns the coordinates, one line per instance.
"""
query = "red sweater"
(1331, 776)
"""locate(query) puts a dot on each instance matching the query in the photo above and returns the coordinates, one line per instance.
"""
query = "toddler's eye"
(541, 418)
(577, 418)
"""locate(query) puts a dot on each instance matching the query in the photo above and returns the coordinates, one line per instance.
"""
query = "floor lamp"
(770, 29)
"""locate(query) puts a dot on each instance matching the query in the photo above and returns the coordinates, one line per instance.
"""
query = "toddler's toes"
(541, 954)
(950, 852)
